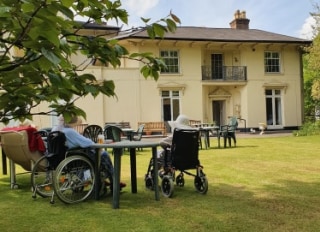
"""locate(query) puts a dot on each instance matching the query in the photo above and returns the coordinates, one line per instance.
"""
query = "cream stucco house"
(213, 73)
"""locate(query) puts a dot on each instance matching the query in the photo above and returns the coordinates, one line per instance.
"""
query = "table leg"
(13, 180)
(133, 165)
(205, 138)
(116, 178)
(4, 163)
(97, 173)
(156, 168)
(208, 138)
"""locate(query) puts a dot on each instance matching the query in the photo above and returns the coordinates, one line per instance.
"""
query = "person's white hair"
(181, 122)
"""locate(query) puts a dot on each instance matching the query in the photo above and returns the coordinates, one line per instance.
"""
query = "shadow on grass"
(281, 205)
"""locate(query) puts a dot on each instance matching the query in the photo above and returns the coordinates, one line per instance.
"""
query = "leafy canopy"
(37, 41)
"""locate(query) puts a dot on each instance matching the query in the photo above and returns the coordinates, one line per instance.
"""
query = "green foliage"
(308, 128)
(311, 67)
(37, 41)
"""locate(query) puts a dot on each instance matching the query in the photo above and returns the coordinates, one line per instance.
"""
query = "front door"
(218, 112)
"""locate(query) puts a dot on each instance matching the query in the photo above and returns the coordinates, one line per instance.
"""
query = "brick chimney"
(240, 21)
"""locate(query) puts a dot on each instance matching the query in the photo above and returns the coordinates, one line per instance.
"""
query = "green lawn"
(265, 184)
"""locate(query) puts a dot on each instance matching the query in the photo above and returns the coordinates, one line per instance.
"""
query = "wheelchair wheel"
(41, 178)
(149, 182)
(180, 180)
(201, 184)
(74, 179)
(167, 186)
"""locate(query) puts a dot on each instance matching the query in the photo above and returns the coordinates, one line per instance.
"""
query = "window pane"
(278, 111)
(175, 108)
(272, 62)
(170, 105)
(165, 93)
(268, 92)
(171, 59)
(175, 93)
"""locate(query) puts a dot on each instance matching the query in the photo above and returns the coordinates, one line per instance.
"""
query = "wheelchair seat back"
(185, 149)
(57, 148)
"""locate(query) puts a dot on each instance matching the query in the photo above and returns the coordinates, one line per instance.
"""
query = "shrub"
(309, 128)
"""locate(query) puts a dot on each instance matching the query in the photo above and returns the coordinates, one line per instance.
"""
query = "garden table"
(206, 130)
(118, 148)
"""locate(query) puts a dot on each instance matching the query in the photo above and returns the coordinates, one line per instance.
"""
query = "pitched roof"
(188, 33)
(97, 26)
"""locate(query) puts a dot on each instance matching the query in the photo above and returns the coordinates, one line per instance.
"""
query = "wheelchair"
(67, 173)
(181, 156)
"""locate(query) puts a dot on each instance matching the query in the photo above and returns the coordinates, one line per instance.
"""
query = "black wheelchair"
(181, 156)
(67, 173)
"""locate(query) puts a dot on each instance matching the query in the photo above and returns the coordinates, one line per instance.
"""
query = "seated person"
(75, 140)
(182, 122)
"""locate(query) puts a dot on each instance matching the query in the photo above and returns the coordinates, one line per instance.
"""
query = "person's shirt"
(74, 139)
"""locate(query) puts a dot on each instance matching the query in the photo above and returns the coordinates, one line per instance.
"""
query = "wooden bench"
(194, 123)
(150, 127)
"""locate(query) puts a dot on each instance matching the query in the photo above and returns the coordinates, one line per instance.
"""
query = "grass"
(265, 184)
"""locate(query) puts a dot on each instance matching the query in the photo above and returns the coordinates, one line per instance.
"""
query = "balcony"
(225, 73)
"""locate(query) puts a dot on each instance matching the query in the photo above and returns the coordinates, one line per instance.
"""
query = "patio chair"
(92, 132)
(16, 146)
(138, 134)
(228, 132)
(113, 132)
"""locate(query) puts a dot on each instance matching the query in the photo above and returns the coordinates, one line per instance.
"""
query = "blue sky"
(287, 17)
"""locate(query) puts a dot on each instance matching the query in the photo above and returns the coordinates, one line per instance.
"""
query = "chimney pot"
(240, 20)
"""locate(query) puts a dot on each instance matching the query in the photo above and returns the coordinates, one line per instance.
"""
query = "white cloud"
(306, 31)
(139, 7)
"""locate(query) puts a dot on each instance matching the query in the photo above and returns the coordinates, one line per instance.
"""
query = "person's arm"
(74, 139)
(165, 142)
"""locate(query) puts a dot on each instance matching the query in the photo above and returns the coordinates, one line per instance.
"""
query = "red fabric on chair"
(35, 142)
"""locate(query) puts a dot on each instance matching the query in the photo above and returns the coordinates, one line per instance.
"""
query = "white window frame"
(272, 63)
(172, 60)
(171, 97)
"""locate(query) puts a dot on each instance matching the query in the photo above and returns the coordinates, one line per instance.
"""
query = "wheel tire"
(167, 186)
(149, 183)
(74, 179)
(41, 178)
(201, 184)
(180, 180)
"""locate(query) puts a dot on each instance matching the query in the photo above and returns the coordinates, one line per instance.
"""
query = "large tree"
(37, 40)
(312, 70)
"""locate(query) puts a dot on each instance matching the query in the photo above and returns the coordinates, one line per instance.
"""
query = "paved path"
(266, 134)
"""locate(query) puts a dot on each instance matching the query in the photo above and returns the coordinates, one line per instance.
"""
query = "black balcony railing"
(225, 73)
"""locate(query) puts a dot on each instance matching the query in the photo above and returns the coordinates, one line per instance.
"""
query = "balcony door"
(217, 66)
